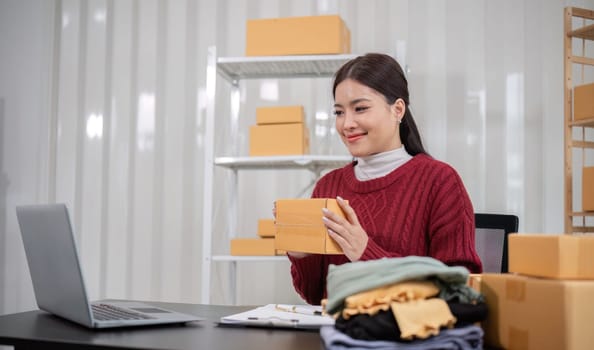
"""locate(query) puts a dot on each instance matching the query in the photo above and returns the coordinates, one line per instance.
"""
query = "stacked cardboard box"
(279, 131)
(266, 228)
(299, 226)
(546, 303)
(583, 108)
(310, 35)
(588, 188)
(583, 102)
(263, 245)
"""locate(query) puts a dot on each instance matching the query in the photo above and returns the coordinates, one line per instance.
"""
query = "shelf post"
(567, 218)
(211, 76)
(234, 184)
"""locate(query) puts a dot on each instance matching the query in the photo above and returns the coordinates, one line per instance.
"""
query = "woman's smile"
(355, 137)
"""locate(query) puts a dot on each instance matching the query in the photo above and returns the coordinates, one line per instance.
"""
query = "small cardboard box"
(266, 228)
(532, 313)
(253, 246)
(279, 139)
(553, 256)
(583, 102)
(588, 188)
(279, 115)
(299, 226)
(310, 35)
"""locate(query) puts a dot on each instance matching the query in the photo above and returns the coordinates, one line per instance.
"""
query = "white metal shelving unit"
(233, 70)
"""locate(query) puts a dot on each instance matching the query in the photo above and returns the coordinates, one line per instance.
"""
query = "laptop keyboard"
(107, 312)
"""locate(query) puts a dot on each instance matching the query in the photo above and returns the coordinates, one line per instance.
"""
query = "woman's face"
(366, 123)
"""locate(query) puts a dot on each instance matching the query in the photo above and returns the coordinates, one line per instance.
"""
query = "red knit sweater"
(421, 208)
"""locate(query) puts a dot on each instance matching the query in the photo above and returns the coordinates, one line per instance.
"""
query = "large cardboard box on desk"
(279, 115)
(279, 139)
(588, 188)
(531, 313)
(583, 102)
(559, 256)
(310, 35)
(299, 226)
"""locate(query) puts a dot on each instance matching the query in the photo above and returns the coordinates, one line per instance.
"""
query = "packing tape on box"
(297, 219)
(515, 290)
(518, 338)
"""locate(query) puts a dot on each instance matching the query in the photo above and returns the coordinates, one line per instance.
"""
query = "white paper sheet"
(272, 315)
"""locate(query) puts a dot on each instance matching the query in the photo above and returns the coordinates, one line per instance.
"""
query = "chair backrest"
(491, 239)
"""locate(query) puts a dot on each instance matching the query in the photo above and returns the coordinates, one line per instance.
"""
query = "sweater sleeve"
(375, 251)
(309, 277)
(451, 223)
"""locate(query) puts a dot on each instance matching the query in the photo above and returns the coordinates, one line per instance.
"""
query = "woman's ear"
(399, 109)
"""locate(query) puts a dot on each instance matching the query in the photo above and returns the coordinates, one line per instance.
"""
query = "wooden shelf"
(582, 213)
(583, 122)
(582, 229)
(586, 32)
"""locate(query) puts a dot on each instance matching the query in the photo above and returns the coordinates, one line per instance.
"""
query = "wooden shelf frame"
(586, 33)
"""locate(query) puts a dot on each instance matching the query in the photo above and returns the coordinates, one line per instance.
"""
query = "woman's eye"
(338, 113)
(361, 109)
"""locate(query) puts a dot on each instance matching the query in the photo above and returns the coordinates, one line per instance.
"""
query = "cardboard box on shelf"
(583, 102)
(266, 228)
(253, 246)
(532, 313)
(552, 255)
(588, 188)
(279, 115)
(279, 139)
(299, 226)
(310, 35)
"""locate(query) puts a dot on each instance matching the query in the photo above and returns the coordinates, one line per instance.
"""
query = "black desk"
(38, 329)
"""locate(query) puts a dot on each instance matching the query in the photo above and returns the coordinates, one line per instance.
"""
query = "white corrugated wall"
(102, 106)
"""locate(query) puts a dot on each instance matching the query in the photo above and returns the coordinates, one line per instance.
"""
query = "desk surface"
(39, 329)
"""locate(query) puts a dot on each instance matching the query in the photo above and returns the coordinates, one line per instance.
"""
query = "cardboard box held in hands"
(300, 228)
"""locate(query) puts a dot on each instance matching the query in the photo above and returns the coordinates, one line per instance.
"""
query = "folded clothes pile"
(402, 303)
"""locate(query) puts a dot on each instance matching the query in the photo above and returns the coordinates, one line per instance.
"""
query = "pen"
(298, 310)
(272, 321)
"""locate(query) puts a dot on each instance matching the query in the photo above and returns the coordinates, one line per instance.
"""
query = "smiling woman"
(398, 200)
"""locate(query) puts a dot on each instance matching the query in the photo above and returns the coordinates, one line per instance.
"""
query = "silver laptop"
(58, 281)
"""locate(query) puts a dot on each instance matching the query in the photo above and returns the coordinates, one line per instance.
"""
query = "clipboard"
(278, 316)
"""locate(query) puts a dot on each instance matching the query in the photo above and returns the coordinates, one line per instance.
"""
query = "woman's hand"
(348, 233)
(298, 255)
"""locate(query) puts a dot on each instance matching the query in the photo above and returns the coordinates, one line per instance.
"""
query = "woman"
(400, 200)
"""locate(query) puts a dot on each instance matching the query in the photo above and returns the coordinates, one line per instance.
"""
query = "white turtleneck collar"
(381, 164)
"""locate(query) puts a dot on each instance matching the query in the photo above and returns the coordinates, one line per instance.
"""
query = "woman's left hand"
(348, 233)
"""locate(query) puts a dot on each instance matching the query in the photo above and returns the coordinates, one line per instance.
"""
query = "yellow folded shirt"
(422, 318)
(372, 301)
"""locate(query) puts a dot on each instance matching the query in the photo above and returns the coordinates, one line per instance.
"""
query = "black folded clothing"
(383, 325)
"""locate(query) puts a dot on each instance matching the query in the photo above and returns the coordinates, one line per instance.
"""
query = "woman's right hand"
(298, 255)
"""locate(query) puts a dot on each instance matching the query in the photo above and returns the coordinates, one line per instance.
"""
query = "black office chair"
(491, 239)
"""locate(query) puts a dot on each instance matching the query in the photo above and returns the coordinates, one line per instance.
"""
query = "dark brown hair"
(383, 74)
